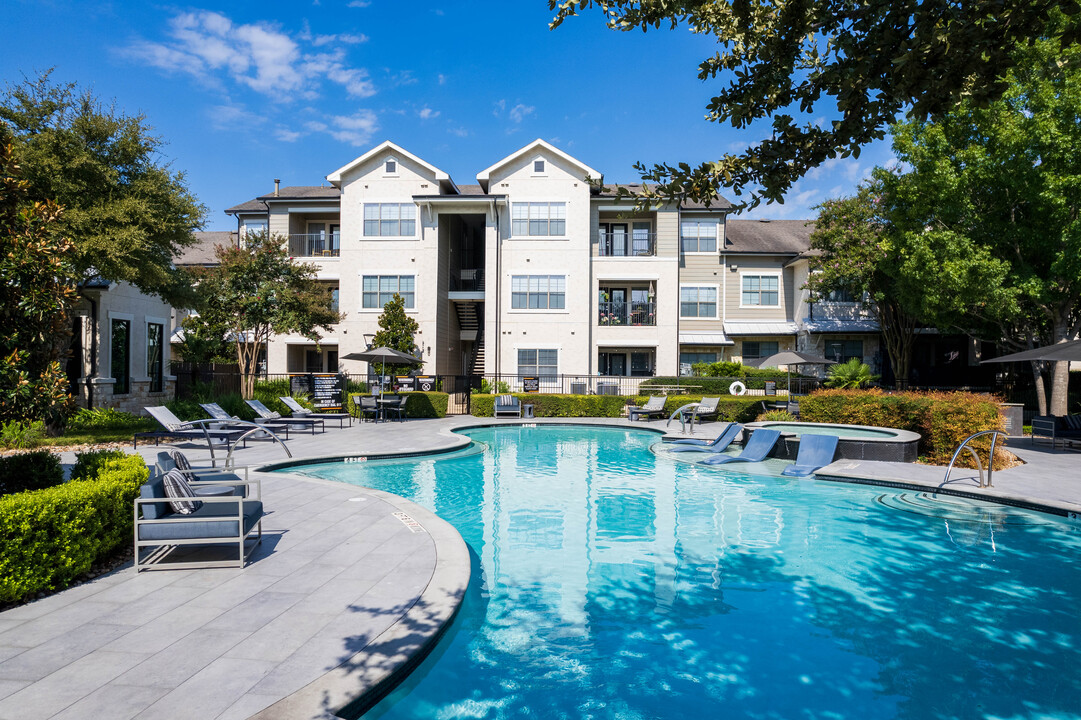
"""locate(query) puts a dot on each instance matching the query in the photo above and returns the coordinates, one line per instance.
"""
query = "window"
(120, 356)
(251, 228)
(693, 358)
(698, 235)
(539, 219)
(698, 302)
(538, 363)
(391, 167)
(538, 166)
(641, 364)
(390, 220)
(538, 292)
(761, 290)
(335, 296)
(844, 350)
(154, 355)
(841, 295)
(378, 290)
(758, 349)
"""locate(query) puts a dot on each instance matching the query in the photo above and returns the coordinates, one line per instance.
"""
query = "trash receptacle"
(527, 411)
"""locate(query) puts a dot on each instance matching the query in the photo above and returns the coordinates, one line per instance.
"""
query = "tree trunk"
(1060, 373)
(898, 331)
(1041, 389)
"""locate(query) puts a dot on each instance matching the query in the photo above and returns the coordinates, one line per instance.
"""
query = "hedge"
(30, 471)
(755, 379)
(740, 409)
(943, 419)
(52, 536)
(88, 464)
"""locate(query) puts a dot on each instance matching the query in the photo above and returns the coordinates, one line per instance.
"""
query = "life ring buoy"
(737, 388)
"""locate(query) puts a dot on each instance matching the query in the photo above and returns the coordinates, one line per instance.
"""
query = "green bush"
(89, 463)
(30, 471)
(850, 375)
(17, 435)
(943, 420)
(426, 404)
(776, 416)
(730, 408)
(753, 379)
(53, 536)
(104, 419)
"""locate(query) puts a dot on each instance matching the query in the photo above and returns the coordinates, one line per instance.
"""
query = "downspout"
(498, 289)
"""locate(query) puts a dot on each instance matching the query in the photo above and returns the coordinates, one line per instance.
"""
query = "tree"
(204, 342)
(127, 214)
(256, 290)
(870, 61)
(1003, 183)
(397, 331)
(853, 374)
(36, 294)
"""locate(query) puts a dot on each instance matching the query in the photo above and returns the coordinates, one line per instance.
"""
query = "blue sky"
(246, 92)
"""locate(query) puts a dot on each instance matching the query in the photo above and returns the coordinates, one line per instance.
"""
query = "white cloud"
(356, 129)
(459, 131)
(287, 135)
(210, 46)
(426, 113)
(359, 3)
(442, 79)
(499, 106)
(404, 77)
(520, 112)
(233, 117)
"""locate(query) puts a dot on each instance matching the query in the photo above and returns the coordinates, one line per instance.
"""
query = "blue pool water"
(610, 583)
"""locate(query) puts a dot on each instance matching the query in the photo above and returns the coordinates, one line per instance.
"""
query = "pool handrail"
(979, 465)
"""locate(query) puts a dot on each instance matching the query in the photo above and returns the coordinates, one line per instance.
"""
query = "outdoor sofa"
(507, 405)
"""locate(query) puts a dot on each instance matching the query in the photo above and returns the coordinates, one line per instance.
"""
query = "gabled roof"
(484, 175)
(336, 177)
(778, 237)
(293, 192)
(611, 191)
(204, 252)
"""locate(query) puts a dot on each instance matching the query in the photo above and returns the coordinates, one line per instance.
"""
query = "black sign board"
(300, 384)
(771, 387)
(425, 383)
(404, 382)
(531, 384)
(327, 391)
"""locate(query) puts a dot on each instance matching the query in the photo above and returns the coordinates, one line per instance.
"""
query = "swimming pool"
(609, 583)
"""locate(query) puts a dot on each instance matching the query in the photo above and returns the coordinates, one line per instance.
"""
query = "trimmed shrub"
(740, 409)
(943, 419)
(18, 435)
(30, 471)
(53, 536)
(776, 416)
(88, 464)
(754, 379)
(426, 404)
(104, 419)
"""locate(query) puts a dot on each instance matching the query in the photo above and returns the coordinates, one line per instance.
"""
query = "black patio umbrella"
(383, 355)
(1059, 351)
(790, 357)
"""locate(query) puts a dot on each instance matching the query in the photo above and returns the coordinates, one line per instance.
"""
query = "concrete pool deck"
(341, 593)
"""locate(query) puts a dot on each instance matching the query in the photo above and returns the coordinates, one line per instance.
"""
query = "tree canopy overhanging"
(867, 61)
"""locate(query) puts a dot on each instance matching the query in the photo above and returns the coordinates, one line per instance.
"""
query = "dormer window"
(391, 167)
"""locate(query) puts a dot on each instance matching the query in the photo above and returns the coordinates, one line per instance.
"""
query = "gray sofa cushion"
(181, 496)
(218, 520)
(154, 489)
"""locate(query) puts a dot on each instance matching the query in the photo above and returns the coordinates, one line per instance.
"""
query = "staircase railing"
(979, 465)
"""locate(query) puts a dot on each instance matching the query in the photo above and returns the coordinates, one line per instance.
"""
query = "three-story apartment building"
(538, 269)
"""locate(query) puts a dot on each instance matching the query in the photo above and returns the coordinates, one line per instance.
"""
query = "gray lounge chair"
(507, 405)
(815, 452)
(207, 429)
(708, 408)
(270, 417)
(716, 446)
(755, 450)
(217, 412)
(654, 407)
(299, 411)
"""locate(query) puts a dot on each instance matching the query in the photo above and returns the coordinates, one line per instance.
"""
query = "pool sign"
(531, 384)
(425, 383)
(404, 382)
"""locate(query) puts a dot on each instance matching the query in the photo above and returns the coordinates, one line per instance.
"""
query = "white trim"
(625, 276)
(543, 172)
(377, 273)
(329, 209)
(418, 223)
(543, 346)
(762, 273)
(335, 177)
(679, 302)
(540, 238)
(484, 175)
(396, 172)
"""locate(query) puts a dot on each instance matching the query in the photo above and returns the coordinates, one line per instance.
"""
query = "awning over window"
(760, 328)
(841, 326)
(704, 339)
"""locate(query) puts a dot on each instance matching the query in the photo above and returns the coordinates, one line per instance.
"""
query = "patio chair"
(366, 405)
(298, 411)
(507, 405)
(815, 452)
(394, 405)
(715, 446)
(706, 408)
(174, 427)
(211, 481)
(754, 450)
(271, 417)
(217, 412)
(654, 407)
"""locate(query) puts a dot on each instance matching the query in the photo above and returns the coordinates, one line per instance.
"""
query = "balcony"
(839, 311)
(467, 280)
(627, 313)
(315, 245)
(637, 243)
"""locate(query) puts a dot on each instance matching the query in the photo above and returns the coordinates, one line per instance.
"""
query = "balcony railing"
(467, 280)
(839, 311)
(314, 245)
(627, 313)
(633, 244)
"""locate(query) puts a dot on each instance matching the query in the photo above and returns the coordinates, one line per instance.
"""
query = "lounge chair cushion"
(154, 488)
(219, 521)
(181, 496)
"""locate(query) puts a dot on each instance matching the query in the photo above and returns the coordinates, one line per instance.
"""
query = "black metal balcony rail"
(627, 313)
(632, 244)
(467, 280)
(314, 245)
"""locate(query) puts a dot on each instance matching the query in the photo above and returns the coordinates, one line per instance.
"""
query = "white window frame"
(548, 294)
(760, 274)
(559, 356)
(386, 273)
(718, 240)
(379, 204)
(396, 172)
(147, 321)
(528, 203)
(543, 172)
(717, 302)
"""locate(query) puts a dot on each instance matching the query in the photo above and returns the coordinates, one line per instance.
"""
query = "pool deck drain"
(342, 593)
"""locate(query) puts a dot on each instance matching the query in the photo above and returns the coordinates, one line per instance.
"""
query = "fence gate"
(458, 388)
